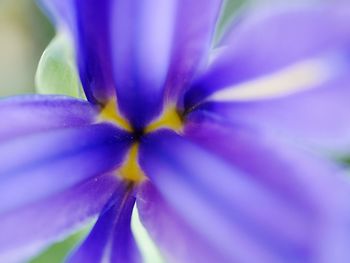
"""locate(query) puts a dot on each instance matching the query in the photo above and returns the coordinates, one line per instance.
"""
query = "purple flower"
(225, 148)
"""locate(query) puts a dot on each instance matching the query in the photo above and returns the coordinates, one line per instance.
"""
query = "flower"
(225, 148)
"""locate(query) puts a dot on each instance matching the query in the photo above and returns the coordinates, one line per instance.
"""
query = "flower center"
(110, 113)
(169, 119)
(130, 170)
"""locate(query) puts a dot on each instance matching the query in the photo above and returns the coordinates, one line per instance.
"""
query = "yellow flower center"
(130, 169)
(110, 113)
(169, 118)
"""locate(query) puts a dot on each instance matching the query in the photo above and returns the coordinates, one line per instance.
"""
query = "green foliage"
(230, 10)
(56, 72)
(57, 252)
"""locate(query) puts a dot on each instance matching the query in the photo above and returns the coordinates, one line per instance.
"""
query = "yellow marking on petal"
(131, 170)
(295, 78)
(169, 118)
(111, 113)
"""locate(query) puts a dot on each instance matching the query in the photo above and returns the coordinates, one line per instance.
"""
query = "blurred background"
(24, 34)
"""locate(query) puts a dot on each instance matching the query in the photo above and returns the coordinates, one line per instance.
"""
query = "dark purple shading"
(158, 45)
(111, 239)
(89, 24)
(94, 49)
(141, 35)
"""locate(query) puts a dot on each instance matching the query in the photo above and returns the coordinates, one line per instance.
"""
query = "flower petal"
(226, 205)
(89, 24)
(124, 247)
(23, 115)
(142, 37)
(155, 39)
(178, 242)
(304, 180)
(137, 46)
(26, 231)
(318, 117)
(111, 238)
(93, 44)
(269, 41)
(195, 25)
(35, 166)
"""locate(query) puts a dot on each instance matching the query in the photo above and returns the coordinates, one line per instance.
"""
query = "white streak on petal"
(150, 252)
(298, 77)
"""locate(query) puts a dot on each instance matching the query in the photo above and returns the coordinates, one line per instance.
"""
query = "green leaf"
(56, 72)
(57, 252)
(230, 10)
